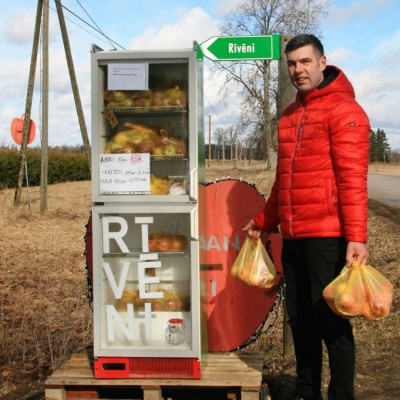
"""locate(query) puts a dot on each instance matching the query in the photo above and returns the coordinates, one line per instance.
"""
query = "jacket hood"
(334, 81)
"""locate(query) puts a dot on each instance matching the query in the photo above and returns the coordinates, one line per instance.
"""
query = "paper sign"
(132, 76)
(124, 173)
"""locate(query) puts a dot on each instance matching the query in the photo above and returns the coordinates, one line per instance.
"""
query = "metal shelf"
(136, 110)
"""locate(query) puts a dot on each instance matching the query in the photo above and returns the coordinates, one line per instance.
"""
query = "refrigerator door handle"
(193, 183)
(194, 225)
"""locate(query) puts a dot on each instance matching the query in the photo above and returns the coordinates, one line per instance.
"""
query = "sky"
(362, 37)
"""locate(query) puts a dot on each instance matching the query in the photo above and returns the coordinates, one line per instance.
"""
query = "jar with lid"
(177, 185)
(175, 331)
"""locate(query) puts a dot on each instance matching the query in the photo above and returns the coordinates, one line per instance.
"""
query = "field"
(45, 314)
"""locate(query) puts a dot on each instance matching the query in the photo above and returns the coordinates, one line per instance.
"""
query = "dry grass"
(45, 315)
(388, 169)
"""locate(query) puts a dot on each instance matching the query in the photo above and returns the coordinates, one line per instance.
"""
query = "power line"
(81, 27)
(113, 42)
(93, 21)
(212, 107)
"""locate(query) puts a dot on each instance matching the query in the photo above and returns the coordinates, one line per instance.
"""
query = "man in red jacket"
(319, 200)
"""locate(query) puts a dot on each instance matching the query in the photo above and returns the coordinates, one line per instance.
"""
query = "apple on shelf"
(165, 242)
(140, 138)
(136, 138)
(173, 146)
(172, 97)
(172, 301)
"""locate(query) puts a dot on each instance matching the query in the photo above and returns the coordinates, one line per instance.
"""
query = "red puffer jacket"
(320, 188)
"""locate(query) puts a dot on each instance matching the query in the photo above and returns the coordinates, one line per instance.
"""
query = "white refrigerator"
(147, 163)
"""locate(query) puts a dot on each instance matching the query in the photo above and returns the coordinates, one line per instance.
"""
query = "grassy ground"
(45, 315)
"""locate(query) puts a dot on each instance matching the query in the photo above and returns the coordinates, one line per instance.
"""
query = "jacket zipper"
(299, 133)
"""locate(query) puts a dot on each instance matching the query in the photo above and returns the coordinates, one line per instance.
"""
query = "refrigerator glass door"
(146, 280)
(145, 126)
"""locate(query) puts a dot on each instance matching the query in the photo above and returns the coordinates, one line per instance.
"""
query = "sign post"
(231, 48)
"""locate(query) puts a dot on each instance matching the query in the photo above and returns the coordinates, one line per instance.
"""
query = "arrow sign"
(230, 48)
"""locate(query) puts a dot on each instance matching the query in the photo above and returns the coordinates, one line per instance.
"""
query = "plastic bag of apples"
(360, 291)
(253, 265)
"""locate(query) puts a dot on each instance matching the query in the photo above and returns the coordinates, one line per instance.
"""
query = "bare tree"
(230, 134)
(257, 79)
(224, 137)
(219, 137)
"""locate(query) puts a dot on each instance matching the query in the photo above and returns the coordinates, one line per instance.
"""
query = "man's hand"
(356, 251)
(252, 230)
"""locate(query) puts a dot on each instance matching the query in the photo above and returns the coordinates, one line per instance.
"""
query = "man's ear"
(322, 63)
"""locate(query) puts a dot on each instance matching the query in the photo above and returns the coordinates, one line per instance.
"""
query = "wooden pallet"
(235, 375)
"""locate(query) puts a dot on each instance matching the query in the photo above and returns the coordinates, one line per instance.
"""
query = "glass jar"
(177, 185)
(175, 331)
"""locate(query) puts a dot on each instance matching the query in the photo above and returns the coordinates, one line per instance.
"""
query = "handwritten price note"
(124, 173)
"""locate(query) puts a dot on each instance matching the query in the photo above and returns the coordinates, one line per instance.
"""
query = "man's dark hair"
(303, 40)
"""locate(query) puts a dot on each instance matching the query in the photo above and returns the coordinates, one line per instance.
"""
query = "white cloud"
(20, 26)
(340, 57)
(387, 53)
(377, 93)
(357, 10)
(371, 63)
(224, 109)
(223, 7)
(194, 24)
(13, 79)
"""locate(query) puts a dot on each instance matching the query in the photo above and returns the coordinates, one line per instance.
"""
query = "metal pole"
(28, 106)
(235, 164)
(236, 148)
(223, 148)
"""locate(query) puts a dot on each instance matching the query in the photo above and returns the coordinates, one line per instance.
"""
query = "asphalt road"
(385, 189)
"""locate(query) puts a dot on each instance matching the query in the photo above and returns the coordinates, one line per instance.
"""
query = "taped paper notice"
(132, 76)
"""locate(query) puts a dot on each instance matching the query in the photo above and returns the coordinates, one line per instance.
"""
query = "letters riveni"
(233, 48)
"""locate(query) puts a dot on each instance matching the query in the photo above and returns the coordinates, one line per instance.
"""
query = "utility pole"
(28, 105)
(235, 164)
(44, 153)
(45, 112)
(223, 147)
(236, 148)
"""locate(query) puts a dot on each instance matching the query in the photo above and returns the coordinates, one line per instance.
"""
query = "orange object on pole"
(17, 127)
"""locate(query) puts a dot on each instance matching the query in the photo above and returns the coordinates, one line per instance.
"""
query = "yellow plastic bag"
(253, 265)
(378, 294)
(240, 268)
(359, 290)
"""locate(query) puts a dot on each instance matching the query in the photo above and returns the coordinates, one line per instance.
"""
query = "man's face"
(306, 68)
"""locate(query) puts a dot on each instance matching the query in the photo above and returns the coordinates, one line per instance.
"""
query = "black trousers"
(309, 265)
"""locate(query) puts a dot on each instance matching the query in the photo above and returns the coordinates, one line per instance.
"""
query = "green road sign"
(230, 48)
